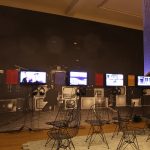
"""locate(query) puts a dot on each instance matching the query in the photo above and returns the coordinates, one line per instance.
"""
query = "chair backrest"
(128, 111)
(61, 113)
(96, 112)
(68, 115)
(74, 118)
(68, 121)
(102, 113)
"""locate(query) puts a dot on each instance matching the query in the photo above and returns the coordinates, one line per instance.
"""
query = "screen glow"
(114, 80)
(143, 81)
(78, 78)
(32, 77)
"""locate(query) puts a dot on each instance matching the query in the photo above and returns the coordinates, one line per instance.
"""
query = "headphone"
(39, 90)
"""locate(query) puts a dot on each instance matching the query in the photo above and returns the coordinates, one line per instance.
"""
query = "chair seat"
(59, 124)
(97, 122)
(123, 118)
(59, 135)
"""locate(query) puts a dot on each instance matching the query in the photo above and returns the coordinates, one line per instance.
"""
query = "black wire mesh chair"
(128, 137)
(62, 134)
(59, 121)
(97, 117)
(119, 119)
(148, 137)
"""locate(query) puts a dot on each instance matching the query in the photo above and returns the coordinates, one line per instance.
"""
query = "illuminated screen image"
(114, 80)
(143, 81)
(78, 78)
(32, 77)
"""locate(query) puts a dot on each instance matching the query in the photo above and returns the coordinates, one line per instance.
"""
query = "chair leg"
(121, 143)
(64, 144)
(54, 145)
(126, 140)
(96, 130)
(148, 137)
(116, 131)
(88, 135)
(91, 138)
(47, 141)
(103, 137)
(72, 144)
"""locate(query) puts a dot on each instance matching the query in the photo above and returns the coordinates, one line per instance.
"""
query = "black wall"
(37, 40)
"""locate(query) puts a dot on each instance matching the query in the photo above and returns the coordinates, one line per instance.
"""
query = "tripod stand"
(27, 109)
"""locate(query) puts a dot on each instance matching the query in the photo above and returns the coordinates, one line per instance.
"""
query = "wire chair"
(128, 137)
(59, 121)
(119, 119)
(96, 118)
(62, 134)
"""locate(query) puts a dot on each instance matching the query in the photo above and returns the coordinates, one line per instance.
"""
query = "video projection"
(78, 78)
(32, 77)
(114, 80)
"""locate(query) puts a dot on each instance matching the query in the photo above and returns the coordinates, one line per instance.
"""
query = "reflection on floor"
(13, 121)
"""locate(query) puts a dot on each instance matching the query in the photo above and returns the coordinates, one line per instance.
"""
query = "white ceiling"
(126, 13)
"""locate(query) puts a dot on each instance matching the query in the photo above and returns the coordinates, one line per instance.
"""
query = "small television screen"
(143, 81)
(77, 78)
(32, 77)
(114, 79)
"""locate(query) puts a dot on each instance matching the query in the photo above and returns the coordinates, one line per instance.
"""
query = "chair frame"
(128, 137)
(120, 119)
(96, 126)
(63, 134)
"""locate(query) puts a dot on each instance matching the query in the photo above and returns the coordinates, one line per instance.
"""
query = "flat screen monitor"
(114, 79)
(78, 78)
(32, 77)
(143, 81)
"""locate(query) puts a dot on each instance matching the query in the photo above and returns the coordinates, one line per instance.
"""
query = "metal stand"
(27, 109)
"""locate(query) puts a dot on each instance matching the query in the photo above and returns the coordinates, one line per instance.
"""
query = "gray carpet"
(80, 143)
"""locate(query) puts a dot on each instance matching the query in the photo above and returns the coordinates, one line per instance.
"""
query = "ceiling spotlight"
(75, 43)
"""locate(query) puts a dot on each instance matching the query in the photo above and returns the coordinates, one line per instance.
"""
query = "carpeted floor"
(80, 143)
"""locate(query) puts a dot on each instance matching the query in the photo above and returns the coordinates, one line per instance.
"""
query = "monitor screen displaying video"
(143, 81)
(77, 78)
(32, 77)
(114, 79)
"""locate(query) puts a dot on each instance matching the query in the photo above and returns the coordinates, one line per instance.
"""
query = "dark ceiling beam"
(71, 6)
(102, 3)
